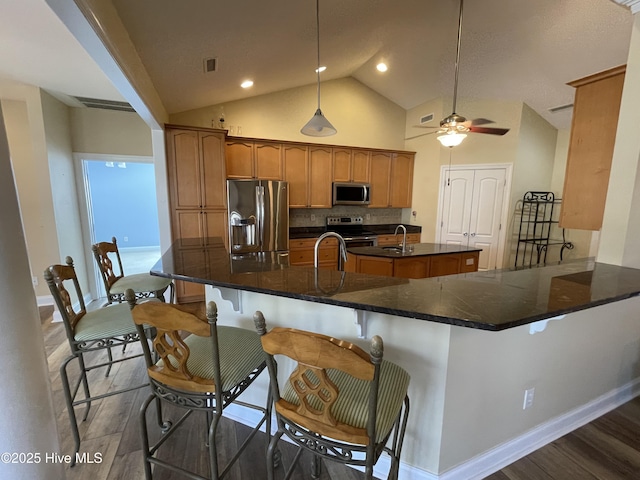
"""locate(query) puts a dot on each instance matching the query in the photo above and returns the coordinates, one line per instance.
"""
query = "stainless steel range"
(352, 230)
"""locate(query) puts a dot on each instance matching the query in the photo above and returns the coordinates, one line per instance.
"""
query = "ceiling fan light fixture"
(451, 139)
(318, 126)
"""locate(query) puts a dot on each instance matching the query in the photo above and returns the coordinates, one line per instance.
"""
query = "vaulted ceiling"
(511, 49)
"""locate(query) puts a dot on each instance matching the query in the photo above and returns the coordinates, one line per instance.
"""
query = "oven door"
(356, 241)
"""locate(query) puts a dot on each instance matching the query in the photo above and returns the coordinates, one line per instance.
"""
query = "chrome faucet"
(342, 258)
(404, 236)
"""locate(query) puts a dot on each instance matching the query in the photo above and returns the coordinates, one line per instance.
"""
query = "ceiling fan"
(453, 129)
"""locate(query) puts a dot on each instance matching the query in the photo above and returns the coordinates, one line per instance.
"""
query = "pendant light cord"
(318, 46)
(455, 83)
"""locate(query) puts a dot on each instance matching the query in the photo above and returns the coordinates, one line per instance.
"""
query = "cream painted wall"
(362, 117)
(56, 116)
(111, 132)
(621, 223)
(25, 134)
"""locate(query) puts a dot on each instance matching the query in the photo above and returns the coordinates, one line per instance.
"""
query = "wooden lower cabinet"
(414, 267)
(389, 240)
(301, 253)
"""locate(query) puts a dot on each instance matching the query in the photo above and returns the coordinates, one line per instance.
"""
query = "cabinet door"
(416, 267)
(401, 180)
(183, 162)
(374, 265)
(380, 173)
(296, 172)
(320, 174)
(360, 163)
(444, 265)
(593, 134)
(213, 177)
(239, 159)
(268, 161)
(214, 225)
(187, 226)
(341, 165)
(187, 292)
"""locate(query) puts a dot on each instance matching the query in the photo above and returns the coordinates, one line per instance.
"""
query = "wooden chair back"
(315, 354)
(58, 277)
(101, 252)
(172, 323)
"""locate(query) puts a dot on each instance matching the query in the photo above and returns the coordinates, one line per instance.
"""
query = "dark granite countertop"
(385, 229)
(415, 250)
(493, 300)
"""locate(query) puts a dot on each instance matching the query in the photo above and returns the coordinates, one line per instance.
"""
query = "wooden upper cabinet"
(320, 175)
(351, 165)
(401, 180)
(185, 181)
(213, 170)
(239, 159)
(247, 159)
(593, 131)
(342, 165)
(380, 179)
(360, 166)
(268, 161)
(296, 172)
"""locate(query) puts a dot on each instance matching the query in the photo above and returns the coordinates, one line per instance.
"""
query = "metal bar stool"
(144, 285)
(340, 403)
(206, 371)
(87, 332)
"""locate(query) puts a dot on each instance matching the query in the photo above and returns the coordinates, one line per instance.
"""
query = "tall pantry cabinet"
(197, 193)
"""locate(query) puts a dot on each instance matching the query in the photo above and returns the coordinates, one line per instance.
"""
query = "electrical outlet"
(368, 216)
(34, 280)
(528, 398)
(313, 218)
(126, 239)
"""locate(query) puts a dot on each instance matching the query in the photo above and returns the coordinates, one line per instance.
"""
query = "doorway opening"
(120, 198)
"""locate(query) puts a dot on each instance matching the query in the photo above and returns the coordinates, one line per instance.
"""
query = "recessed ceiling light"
(247, 84)
(321, 69)
(382, 67)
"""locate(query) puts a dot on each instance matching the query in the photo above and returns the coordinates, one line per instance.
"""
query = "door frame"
(504, 215)
(96, 288)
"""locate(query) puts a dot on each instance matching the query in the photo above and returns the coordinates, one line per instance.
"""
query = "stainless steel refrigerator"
(258, 216)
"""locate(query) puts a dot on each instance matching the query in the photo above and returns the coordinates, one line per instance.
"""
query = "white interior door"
(472, 211)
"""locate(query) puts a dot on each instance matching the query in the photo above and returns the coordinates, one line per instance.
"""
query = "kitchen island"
(472, 343)
(421, 260)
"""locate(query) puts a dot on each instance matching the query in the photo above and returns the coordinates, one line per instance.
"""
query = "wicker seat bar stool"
(143, 284)
(339, 402)
(88, 332)
(204, 372)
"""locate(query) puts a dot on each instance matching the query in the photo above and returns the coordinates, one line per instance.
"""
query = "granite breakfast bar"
(472, 343)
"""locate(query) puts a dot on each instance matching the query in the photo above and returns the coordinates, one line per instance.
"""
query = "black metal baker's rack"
(537, 229)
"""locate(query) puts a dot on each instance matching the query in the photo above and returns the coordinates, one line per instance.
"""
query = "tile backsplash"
(317, 217)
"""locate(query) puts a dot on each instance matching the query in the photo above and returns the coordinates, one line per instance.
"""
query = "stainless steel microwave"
(351, 193)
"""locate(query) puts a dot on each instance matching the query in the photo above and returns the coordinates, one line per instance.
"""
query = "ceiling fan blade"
(481, 121)
(489, 130)
(421, 135)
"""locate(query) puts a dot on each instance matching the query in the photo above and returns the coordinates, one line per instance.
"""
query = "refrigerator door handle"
(260, 213)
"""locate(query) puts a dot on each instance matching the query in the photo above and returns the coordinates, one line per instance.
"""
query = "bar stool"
(340, 403)
(144, 285)
(206, 372)
(88, 332)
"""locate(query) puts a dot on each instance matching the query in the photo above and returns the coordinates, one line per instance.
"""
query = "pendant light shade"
(318, 126)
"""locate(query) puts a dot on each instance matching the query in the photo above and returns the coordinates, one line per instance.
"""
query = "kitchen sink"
(393, 249)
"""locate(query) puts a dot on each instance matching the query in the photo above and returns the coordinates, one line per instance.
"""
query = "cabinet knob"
(465, 234)
(473, 234)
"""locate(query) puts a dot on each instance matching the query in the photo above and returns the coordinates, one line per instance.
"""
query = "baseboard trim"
(499, 457)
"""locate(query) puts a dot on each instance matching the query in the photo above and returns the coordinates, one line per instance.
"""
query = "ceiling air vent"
(105, 104)
(426, 118)
(210, 65)
(561, 108)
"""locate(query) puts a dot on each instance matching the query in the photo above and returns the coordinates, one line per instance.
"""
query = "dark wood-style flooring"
(605, 449)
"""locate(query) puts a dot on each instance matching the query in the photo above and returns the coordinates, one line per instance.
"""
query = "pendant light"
(318, 126)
